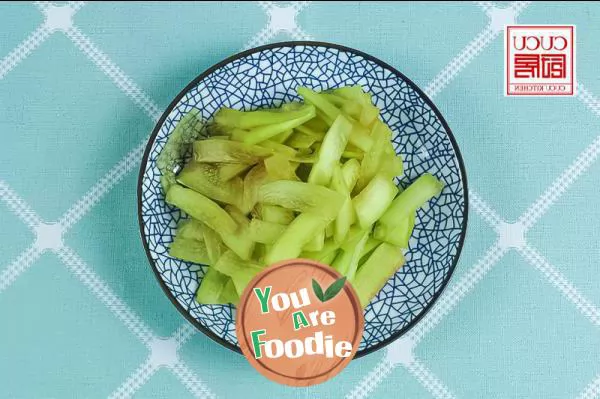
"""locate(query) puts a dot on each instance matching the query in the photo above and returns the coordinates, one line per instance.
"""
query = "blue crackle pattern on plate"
(268, 78)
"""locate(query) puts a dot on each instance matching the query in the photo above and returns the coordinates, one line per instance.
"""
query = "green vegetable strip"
(201, 208)
(232, 265)
(329, 230)
(376, 271)
(186, 131)
(260, 250)
(316, 125)
(353, 154)
(360, 137)
(265, 232)
(277, 214)
(329, 247)
(204, 178)
(415, 196)
(190, 250)
(211, 287)
(333, 99)
(305, 158)
(399, 234)
(229, 293)
(354, 235)
(296, 236)
(345, 216)
(371, 203)
(369, 114)
(379, 128)
(300, 140)
(292, 106)
(353, 93)
(214, 245)
(240, 281)
(353, 266)
(279, 149)
(372, 160)
(261, 133)
(392, 165)
(241, 241)
(308, 131)
(280, 168)
(351, 172)
(254, 179)
(300, 197)
(347, 262)
(282, 137)
(240, 271)
(316, 243)
(214, 150)
(228, 171)
(191, 229)
(328, 109)
(330, 258)
(370, 245)
(331, 151)
(250, 119)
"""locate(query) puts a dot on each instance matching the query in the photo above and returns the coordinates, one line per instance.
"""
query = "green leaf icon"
(334, 289)
(317, 290)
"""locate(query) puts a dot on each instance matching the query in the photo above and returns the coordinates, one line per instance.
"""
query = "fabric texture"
(82, 316)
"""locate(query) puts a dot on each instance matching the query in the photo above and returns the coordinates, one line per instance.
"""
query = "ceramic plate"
(268, 76)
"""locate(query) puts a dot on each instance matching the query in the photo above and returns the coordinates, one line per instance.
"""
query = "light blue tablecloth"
(81, 315)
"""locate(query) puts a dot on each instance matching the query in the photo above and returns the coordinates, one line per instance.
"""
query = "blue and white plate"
(268, 76)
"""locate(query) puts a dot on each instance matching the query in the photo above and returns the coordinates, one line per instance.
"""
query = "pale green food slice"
(192, 229)
(204, 178)
(214, 244)
(265, 232)
(211, 287)
(412, 198)
(372, 202)
(201, 208)
(351, 172)
(372, 160)
(398, 234)
(188, 129)
(300, 197)
(214, 150)
(250, 119)
(296, 236)
(330, 151)
(345, 216)
(253, 181)
(190, 250)
(347, 261)
(228, 171)
(265, 132)
(316, 243)
(279, 167)
(229, 293)
(376, 271)
(279, 149)
(276, 214)
(240, 242)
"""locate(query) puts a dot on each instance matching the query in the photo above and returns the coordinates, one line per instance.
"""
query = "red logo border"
(507, 60)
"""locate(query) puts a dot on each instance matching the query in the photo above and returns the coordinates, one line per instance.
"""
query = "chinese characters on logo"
(540, 66)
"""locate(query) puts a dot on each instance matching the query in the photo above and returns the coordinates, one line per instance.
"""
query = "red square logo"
(539, 60)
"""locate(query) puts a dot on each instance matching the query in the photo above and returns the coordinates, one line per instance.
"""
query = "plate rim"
(290, 44)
